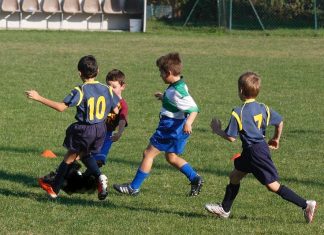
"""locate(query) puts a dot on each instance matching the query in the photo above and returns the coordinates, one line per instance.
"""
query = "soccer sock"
(92, 166)
(291, 196)
(187, 170)
(59, 177)
(139, 179)
(230, 194)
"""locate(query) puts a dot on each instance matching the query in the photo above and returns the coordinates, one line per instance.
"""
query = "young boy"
(116, 80)
(93, 101)
(250, 121)
(77, 182)
(178, 112)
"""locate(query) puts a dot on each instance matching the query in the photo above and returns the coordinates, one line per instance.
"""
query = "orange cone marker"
(48, 154)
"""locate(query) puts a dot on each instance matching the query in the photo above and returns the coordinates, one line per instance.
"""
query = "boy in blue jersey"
(250, 121)
(178, 112)
(93, 102)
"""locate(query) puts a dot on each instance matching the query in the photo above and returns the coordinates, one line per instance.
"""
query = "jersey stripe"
(238, 120)
(81, 95)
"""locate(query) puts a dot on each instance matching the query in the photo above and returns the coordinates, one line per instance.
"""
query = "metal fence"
(247, 14)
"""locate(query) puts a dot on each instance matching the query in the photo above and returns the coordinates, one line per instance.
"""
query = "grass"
(291, 64)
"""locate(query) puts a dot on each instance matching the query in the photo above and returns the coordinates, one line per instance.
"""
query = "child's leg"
(144, 169)
(232, 189)
(103, 154)
(181, 165)
(62, 170)
(287, 194)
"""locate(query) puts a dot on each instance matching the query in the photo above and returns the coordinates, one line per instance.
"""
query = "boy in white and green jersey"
(177, 114)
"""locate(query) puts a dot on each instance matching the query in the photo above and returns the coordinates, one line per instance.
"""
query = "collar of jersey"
(249, 101)
(93, 82)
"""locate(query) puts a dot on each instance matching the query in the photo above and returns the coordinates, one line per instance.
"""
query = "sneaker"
(102, 187)
(217, 209)
(309, 211)
(196, 185)
(126, 189)
(47, 187)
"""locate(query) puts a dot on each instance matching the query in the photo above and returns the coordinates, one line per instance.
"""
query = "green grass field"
(291, 65)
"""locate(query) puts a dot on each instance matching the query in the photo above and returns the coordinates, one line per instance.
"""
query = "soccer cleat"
(47, 187)
(309, 211)
(126, 189)
(102, 187)
(217, 210)
(196, 185)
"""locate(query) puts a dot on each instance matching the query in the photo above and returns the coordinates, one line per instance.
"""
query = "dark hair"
(116, 75)
(170, 62)
(250, 84)
(88, 67)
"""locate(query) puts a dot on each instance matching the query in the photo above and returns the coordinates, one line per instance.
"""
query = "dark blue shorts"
(85, 138)
(256, 159)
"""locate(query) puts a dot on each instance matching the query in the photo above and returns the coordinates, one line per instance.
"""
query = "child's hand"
(158, 95)
(187, 128)
(273, 144)
(216, 125)
(115, 137)
(32, 94)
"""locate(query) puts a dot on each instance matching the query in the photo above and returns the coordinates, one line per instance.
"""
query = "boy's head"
(116, 80)
(169, 64)
(88, 67)
(249, 85)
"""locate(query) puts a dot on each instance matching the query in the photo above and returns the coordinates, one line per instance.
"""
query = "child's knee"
(171, 158)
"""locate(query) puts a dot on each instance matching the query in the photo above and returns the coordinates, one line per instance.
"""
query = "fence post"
(315, 15)
(230, 15)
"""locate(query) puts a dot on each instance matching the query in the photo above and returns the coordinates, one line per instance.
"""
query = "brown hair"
(249, 84)
(88, 67)
(116, 75)
(170, 62)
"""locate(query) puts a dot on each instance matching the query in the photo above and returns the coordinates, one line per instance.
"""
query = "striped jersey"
(250, 121)
(93, 101)
(177, 102)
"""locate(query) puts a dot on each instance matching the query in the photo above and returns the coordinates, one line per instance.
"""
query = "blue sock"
(92, 166)
(187, 170)
(139, 179)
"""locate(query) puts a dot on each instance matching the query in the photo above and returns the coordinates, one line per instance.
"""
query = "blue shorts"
(256, 159)
(169, 136)
(85, 138)
(103, 154)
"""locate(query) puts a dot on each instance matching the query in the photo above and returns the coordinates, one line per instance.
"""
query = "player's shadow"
(41, 197)
(18, 178)
(8, 149)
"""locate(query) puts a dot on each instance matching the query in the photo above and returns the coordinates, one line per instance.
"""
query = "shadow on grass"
(41, 197)
(36, 151)
(19, 150)
(18, 178)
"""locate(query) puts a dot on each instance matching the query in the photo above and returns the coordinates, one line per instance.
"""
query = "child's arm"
(274, 142)
(121, 126)
(216, 126)
(58, 106)
(187, 128)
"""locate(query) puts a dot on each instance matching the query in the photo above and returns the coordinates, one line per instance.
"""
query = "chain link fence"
(246, 14)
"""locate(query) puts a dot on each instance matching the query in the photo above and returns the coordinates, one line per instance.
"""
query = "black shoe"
(126, 189)
(196, 185)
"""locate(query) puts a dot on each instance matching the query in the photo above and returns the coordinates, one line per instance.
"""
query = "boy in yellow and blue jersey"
(177, 114)
(249, 121)
(93, 102)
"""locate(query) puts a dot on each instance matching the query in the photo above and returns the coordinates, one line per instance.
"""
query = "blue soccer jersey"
(93, 100)
(250, 121)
